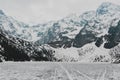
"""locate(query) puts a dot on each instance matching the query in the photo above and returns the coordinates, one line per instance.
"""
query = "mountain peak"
(106, 7)
(107, 4)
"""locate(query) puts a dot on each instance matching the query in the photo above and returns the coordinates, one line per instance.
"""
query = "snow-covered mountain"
(15, 49)
(93, 36)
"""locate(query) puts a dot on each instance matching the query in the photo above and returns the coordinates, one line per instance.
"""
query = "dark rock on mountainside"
(99, 41)
(113, 37)
(0, 58)
(83, 38)
(15, 49)
(65, 42)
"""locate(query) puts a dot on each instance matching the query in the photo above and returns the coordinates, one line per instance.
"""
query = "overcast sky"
(40, 11)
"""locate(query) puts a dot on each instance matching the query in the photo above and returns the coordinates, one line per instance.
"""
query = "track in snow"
(58, 71)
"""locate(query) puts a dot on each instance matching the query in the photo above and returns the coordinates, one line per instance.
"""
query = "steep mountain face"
(62, 32)
(93, 36)
(97, 24)
(14, 28)
(15, 49)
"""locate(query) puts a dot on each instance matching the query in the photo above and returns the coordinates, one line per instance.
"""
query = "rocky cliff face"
(15, 49)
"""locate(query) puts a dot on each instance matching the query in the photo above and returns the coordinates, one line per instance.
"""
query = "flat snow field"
(58, 71)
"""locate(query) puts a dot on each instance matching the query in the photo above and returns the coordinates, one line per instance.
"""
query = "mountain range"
(93, 36)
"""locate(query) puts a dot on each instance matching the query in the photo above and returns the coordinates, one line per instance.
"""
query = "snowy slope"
(88, 53)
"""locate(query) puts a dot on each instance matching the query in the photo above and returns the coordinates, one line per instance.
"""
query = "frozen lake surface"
(58, 71)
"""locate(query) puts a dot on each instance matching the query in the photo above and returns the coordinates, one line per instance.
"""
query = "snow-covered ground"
(87, 53)
(58, 71)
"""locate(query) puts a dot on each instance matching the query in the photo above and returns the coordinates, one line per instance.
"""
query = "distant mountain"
(93, 36)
